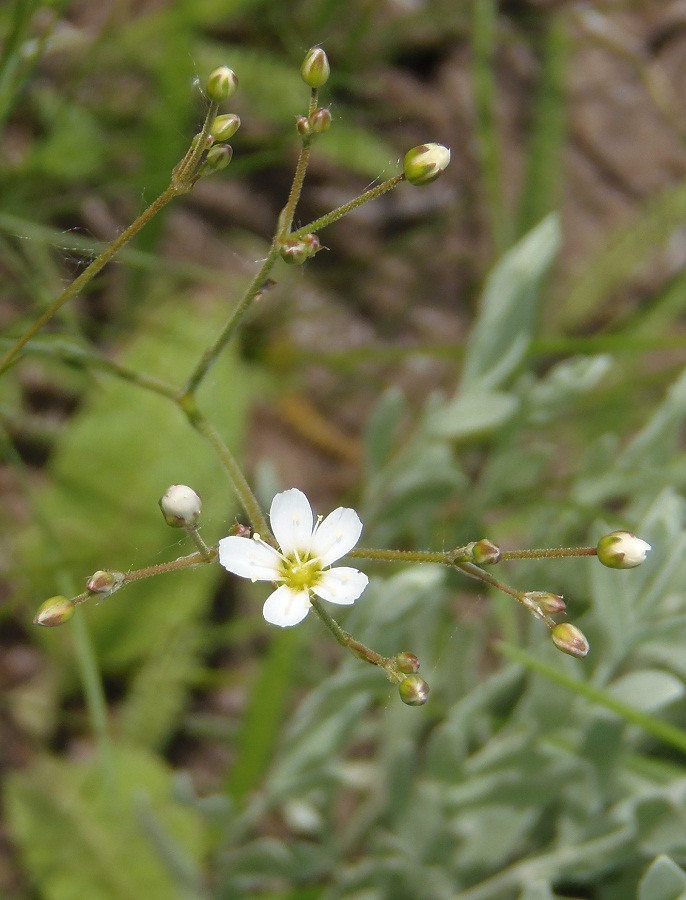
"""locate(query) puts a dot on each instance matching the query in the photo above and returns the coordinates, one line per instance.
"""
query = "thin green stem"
(421, 556)
(88, 274)
(182, 181)
(240, 484)
(552, 553)
(207, 554)
(257, 285)
(337, 214)
(663, 731)
(473, 571)
(346, 640)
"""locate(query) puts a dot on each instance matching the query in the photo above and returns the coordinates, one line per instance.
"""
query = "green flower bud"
(413, 690)
(294, 252)
(55, 611)
(622, 550)
(221, 84)
(570, 639)
(407, 663)
(544, 602)
(320, 121)
(224, 127)
(315, 68)
(218, 158)
(424, 164)
(311, 242)
(485, 552)
(180, 505)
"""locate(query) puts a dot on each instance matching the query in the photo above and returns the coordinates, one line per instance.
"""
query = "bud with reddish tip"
(622, 550)
(424, 164)
(570, 639)
(221, 84)
(320, 121)
(102, 582)
(545, 601)
(407, 663)
(55, 611)
(181, 506)
(294, 252)
(413, 690)
(315, 68)
(485, 552)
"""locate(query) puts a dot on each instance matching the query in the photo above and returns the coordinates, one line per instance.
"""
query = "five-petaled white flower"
(302, 566)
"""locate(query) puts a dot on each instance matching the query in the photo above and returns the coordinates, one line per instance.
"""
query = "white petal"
(286, 607)
(341, 585)
(336, 535)
(249, 559)
(291, 520)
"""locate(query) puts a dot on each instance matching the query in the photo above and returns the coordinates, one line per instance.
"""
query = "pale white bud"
(622, 550)
(181, 506)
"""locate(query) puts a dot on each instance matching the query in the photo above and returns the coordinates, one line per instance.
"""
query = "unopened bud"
(545, 602)
(485, 552)
(424, 164)
(294, 252)
(311, 242)
(218, 158)
(302, 123)
(407, 663)
(622, 550)
(240, 530)
(224, 127)
(222, 84)
(180, 506)
(102, 582)
(320, 121)
(570, 639)
(315, 68)
(55, 611)
(413, 690)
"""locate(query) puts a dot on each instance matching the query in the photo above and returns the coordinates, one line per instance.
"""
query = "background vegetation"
(500, 354)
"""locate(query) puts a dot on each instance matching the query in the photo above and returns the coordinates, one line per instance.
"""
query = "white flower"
(302, 566)
(622, 550)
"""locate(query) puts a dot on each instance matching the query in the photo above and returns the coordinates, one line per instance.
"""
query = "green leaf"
(80, 840)
(473, 413)
(664, 880)
(505, 324)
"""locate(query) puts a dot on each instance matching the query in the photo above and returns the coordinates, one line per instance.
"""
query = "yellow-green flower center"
(301, 574)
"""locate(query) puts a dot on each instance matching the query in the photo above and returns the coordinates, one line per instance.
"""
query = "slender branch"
(183, 179)
(421, 556)
(337, 214)
(238, 480)
(257, 285)
(553, 553)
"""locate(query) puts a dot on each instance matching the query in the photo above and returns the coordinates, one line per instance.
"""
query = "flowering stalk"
(182, 181)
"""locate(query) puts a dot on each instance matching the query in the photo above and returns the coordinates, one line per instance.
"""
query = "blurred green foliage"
(528, 775)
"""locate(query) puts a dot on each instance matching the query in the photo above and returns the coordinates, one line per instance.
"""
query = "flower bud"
(570, 639)
(294, 252)
(55, 611)
(315, 68)
(545, 602)
(413, 690)
(485, 552)
(312, 245)
(240, 530)
(224, 127)
(622, 550)
(218, 158)
(320, 121)
(102, 582)
(302, 123)
(221, 84)
(424, 164)
(406, 663)
(180, 506)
